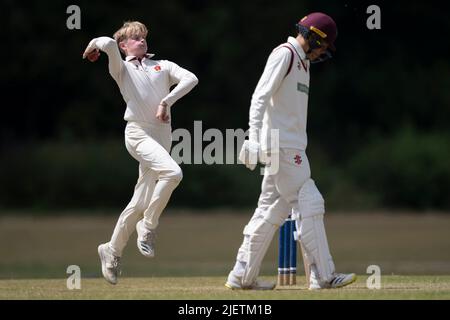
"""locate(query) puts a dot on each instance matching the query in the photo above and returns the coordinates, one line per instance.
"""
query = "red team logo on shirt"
(157, 68)
(297, 159)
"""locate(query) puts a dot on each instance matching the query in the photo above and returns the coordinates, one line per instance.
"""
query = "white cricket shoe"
(235, 283)
(110, 263)
(145, 240)
(339, 280)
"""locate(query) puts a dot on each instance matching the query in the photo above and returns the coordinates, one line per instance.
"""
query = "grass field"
(196, 251)
(206, 288)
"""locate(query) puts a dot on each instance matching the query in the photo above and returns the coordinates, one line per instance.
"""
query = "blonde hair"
(130, 29)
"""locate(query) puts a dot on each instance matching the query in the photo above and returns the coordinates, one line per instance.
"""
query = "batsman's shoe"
(235, 283)
(110, 263)
(339, 280)
(145, 240)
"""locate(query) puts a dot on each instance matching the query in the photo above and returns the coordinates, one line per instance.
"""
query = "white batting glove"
(249, 154)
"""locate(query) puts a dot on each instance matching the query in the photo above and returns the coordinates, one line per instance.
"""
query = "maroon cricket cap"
(321, 24)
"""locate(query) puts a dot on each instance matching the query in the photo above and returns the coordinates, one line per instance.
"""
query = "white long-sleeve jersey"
(280, 100)
(146, 84)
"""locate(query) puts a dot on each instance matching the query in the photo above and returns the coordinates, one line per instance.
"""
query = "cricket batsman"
(280, 101)
(145, 86)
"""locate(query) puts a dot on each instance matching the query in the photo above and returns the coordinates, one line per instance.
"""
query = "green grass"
(205, 288)
(195, 252)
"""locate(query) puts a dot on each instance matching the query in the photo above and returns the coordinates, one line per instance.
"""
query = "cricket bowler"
(145, 86)
(280, 101)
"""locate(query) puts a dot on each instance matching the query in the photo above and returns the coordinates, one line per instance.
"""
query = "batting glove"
(249, 154)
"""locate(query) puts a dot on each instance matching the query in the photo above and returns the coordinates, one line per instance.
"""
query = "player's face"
(316, 53)
(136, 46)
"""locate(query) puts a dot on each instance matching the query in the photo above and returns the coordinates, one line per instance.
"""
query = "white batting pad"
(311, 231)
(248, 231)
(314, 242)
(259, 242)
(310, 200)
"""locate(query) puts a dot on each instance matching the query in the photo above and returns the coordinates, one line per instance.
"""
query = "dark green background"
(378, 114)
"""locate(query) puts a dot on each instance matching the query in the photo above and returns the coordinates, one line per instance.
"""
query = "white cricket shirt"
(145, 84)
(280, 101)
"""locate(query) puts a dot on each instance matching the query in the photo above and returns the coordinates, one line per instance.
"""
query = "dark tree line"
(378, 110)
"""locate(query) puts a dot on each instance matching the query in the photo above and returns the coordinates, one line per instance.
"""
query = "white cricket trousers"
(159, 175)
(279, 193)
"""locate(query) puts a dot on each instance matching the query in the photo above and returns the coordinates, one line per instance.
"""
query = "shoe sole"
(229, 286)
(100, 253)
(138, 243)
